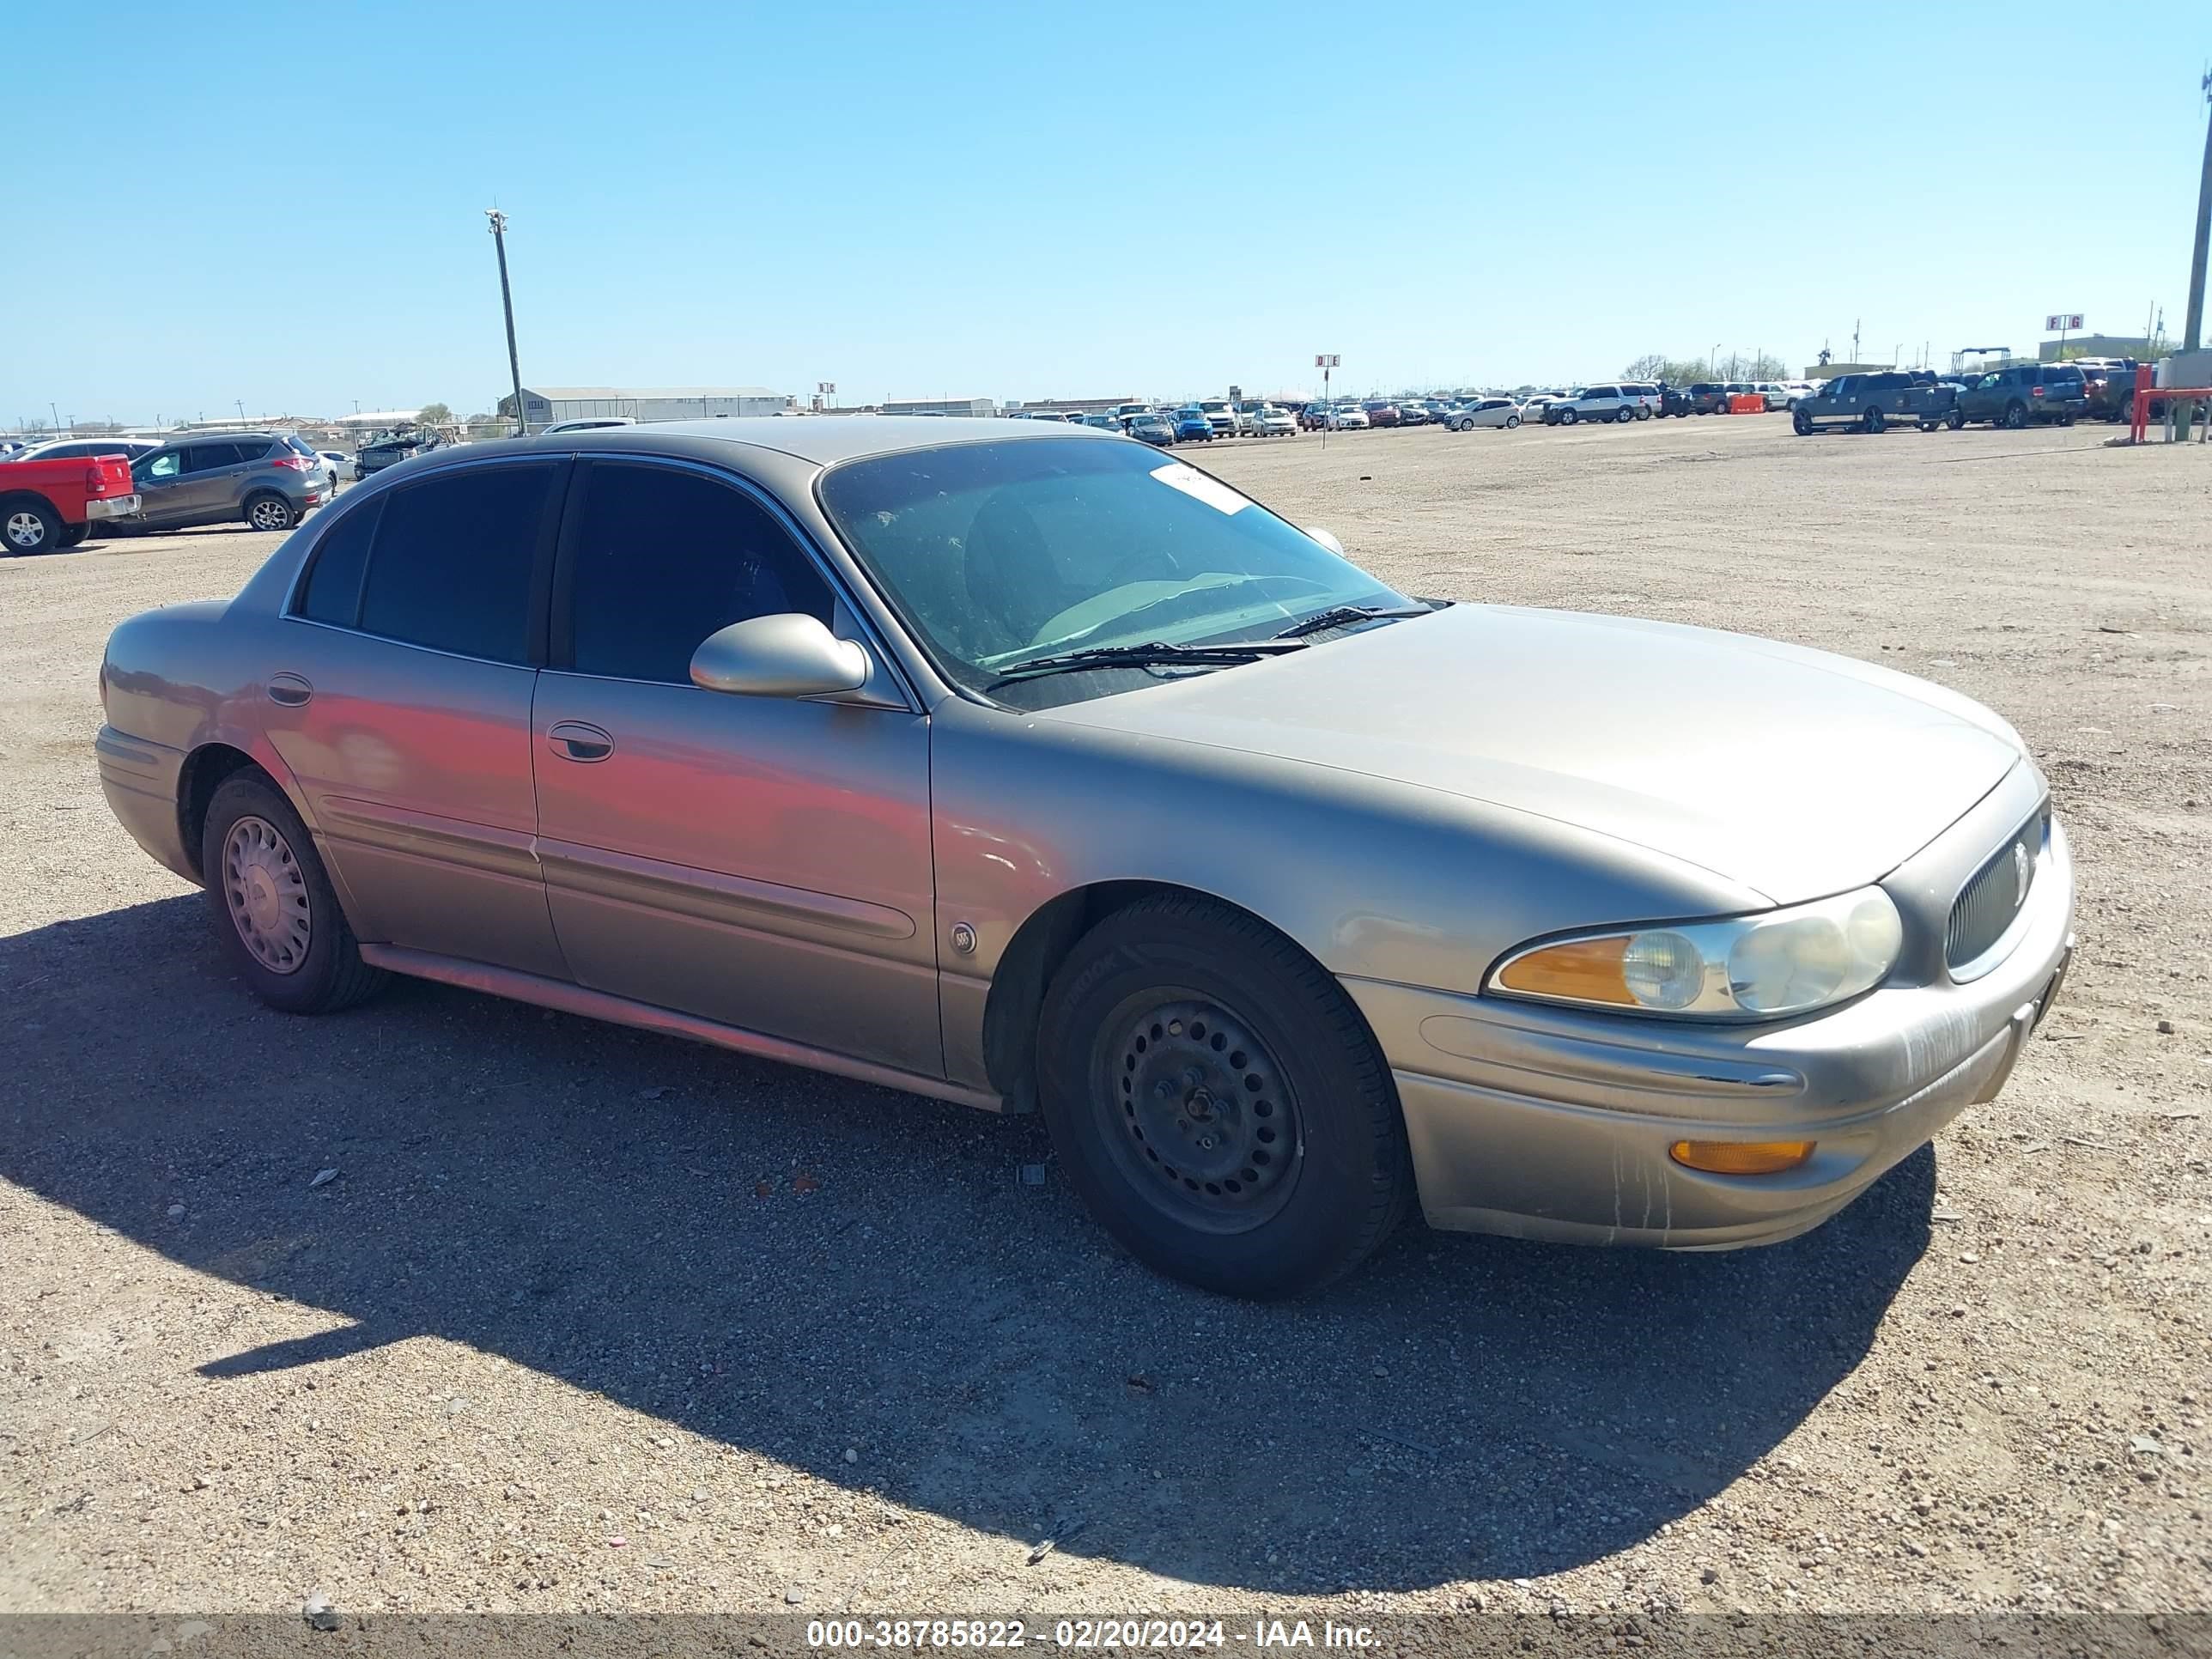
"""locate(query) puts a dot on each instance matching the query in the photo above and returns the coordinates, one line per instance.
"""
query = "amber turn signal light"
(1742, 1157)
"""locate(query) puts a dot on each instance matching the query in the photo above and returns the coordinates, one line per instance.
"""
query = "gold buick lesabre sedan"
(1029, 767)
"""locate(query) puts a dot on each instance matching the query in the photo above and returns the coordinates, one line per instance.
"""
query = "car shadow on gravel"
(798, 1265)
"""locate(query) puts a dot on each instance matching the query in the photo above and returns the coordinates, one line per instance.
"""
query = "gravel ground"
(587, 1320)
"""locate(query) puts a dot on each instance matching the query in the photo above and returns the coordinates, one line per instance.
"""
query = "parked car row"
(2018, 395)
(263, 480)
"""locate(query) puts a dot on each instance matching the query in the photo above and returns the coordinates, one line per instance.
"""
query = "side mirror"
(787, 655)
(1326, 538)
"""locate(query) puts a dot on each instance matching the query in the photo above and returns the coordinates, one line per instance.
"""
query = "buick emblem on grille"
(2020, 873)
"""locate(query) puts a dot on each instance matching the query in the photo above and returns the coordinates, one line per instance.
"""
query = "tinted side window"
(206, 458)
(333, 590)
(453, 560)
(663, 558)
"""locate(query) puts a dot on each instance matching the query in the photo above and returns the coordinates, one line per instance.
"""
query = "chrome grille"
(1985, 907)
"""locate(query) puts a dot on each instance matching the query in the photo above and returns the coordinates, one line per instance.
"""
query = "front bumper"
(1554, 1123)
(112, 507)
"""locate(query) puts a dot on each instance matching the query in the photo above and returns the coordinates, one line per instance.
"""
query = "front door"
(760, 861)
(399, 697)
(182, 485)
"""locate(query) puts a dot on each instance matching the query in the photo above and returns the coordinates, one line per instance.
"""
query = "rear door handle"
(289, 689)
(576, 741)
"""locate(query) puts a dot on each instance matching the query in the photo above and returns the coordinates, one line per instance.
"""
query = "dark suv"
(255, 478)
(2107, 384)
(1869, 402)
(2027, 392)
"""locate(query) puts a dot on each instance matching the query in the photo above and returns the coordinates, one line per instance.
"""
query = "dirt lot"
(587, 1320)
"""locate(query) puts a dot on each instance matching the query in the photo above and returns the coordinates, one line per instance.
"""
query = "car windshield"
(993, 553)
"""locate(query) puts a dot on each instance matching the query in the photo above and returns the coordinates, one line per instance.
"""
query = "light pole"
(506, 303)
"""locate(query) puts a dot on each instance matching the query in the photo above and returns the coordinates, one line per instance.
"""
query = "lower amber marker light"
(1742, 1157)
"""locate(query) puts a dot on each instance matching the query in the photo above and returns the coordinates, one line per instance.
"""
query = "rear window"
(454, 561)
(2062, 374)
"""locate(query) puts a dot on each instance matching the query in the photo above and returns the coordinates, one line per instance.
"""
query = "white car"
(1602, 403)
(1797, 389)
(1348, 417)
(1269, 421)
(1646, 393)
(336, 465)
(1227, 420)
(1484, 411)
(1776, 394)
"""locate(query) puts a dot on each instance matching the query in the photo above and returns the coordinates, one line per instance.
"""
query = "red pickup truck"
(46, 506)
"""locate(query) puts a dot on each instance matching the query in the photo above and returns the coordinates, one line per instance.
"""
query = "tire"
(1568, 417)
(1512, 421)
(1291, 1158)
(2065, 420)
(29, 527)
(270, 511)
(2015, 416)
(1803, 421)
(1955, 420)
(1928, 426)
(1873, 421)
(272, 905)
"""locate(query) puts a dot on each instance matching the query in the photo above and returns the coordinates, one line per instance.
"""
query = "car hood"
(1790, 771)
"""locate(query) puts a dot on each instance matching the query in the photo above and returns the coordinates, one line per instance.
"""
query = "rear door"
(401, 701)
(760, 861)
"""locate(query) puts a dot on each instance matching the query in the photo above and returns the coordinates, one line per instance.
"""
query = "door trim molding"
(569, 998)
(710, 895)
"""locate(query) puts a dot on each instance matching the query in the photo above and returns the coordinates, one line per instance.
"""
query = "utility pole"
(507, 301)
(2190, 337)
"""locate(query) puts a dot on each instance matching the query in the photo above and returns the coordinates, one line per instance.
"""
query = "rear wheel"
(1219, 1102)
(28, 527)
(1955, 419)
(2015, 415)
(270, 511)
(1872, 420)
(273, 907)
(1511, 421)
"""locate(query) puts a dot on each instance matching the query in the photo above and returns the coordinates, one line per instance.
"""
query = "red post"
(2142, 402)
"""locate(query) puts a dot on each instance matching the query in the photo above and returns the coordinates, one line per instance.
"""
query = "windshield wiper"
(1343, 616)
(1156, 653)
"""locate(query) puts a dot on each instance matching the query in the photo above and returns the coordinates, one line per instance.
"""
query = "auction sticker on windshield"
(1199, 487)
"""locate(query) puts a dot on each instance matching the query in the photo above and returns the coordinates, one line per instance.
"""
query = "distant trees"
(435, 415)
(1681, 371)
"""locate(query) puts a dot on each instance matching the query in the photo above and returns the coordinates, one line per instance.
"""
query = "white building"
(674, 403)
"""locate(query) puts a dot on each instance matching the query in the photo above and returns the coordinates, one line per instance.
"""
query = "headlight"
(1762, 967)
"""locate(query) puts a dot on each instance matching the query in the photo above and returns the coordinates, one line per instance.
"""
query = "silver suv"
(259, 479)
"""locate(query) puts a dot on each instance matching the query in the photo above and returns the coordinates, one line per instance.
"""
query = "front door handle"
(289, 689)
(575, 740)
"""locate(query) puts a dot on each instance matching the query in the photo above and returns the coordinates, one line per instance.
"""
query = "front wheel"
(1873, 421)
(1219, 1102)
(1568, 417)
(1955, 420)
(1803, 421)
(272, 904)
(1512, 421)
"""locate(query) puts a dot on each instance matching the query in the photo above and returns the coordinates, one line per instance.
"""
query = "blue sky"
(1053, 199)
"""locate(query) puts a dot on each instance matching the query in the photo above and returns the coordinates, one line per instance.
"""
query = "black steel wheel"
(1217, 1101)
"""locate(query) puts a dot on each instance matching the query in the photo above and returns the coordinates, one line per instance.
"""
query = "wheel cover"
(268, 514)
(25, 529)
(1203, 1120)
(266, 893)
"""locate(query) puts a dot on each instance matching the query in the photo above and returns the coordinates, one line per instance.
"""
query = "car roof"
(823, 439)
